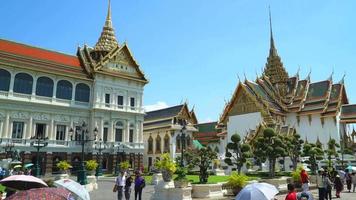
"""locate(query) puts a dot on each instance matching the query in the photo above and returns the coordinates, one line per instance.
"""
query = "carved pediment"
(244, 104)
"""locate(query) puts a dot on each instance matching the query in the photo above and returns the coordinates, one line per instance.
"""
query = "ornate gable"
(120, 61)
(244, 104)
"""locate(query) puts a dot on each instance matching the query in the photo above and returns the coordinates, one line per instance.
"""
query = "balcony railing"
(124, 108)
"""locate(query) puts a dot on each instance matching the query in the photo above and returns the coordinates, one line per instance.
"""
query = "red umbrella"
(22, 182)
(42, 194)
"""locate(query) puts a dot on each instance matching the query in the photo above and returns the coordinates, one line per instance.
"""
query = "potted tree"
(181, 180)
(296, 180)
(90, 166)
(124, 166)
(63, 167)
(167, 167)
(236, 182)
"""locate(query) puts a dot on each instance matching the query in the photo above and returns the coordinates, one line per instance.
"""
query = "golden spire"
(107, 40)
(274, 69)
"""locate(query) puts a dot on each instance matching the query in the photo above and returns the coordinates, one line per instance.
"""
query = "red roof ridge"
(21, 49)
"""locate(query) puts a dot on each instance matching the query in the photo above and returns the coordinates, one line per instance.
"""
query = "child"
(292, 195)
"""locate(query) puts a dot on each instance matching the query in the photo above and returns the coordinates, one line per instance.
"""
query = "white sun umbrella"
(257, 191)
(77, 189)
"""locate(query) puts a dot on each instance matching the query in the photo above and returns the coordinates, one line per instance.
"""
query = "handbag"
(115, 188)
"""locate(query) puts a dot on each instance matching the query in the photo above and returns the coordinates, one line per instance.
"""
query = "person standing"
(119, 185)
(305, 180)
(339, 186)
(348, 180)
(353, 178)
(292, 195)
(320, 184)
(139, 185)
(128, 184)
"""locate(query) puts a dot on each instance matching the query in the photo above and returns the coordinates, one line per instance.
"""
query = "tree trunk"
(239, 170)
(294, 163)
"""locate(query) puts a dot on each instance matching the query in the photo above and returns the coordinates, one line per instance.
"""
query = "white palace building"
(48, 95)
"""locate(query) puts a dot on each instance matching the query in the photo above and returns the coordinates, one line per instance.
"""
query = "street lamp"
(84, 138)
(99, 146)
(183, 123)
(117, 159)
(8, 148)
(38, 142)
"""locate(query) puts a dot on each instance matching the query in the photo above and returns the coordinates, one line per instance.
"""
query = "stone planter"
(61, 176)
(157, 177)
(90, 173)
(181, 183)
(167, 176)
(207, 190)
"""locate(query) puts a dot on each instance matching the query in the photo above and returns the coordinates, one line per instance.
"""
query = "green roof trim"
(197, 144)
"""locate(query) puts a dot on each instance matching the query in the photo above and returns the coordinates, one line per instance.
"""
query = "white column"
(25, 129)
(111, 133)
(48, 131)
(12, 80)
(54, 95)
(137, 131)
(127, 130)
(73, 93)
(7, 124)
(34, 84)
(101, 129)
(141, 131)
(29, 130)
(51, 134)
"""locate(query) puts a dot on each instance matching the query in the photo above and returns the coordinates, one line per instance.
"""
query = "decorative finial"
(308, 77)
(238, 76)
(107, 40)
(331, 75)
(245, 76)
(272, 51)
(297, 74)
(342, 81)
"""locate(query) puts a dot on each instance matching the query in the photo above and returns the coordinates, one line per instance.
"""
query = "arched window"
(44, 87)
(131, 132)
(150, 145)
(166, 143)
(119, 126)
(5, 77)
(158, 144)
(23, 83)
(82, 92)
(64, 90)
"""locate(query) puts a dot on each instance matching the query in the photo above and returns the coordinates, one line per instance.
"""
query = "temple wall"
(312, 129)
(241, 124)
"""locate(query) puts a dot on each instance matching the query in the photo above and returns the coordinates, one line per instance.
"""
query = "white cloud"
(206, 120)
(156, 106)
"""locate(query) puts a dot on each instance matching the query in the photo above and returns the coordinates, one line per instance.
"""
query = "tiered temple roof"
(164, 118)
(207, 133)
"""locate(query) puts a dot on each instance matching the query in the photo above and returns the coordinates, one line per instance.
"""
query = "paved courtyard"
(106, 185)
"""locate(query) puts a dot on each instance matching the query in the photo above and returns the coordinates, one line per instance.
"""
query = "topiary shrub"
(91, 165)
(63, 165)
(237, 182)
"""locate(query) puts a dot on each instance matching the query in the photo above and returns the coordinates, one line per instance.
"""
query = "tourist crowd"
(123, 185)
(326, 181)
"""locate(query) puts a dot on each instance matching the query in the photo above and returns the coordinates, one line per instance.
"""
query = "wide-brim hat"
(321, 170)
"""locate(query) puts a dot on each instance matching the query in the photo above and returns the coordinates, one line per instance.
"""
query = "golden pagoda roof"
(107, 40)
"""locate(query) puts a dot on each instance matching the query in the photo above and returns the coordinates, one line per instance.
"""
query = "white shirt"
(121, 180)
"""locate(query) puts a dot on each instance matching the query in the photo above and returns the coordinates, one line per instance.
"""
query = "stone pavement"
(106, 185)
(104, 191)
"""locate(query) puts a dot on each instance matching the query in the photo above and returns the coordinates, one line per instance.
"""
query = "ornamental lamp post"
(38, 142)
(84, 138)
(183, 123)
(99, 146)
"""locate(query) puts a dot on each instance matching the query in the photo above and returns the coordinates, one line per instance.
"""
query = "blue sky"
(194, 49)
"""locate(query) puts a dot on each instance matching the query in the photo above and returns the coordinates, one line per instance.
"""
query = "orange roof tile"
(38, 53)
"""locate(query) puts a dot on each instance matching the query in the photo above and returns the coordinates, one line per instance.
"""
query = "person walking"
(292, 195)
(139, 185)
(128, 184)
(327, 184)
(320, 184)
(339, 186)
(119, 185)
(348, 180)
(305, 180)
(353, 178)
